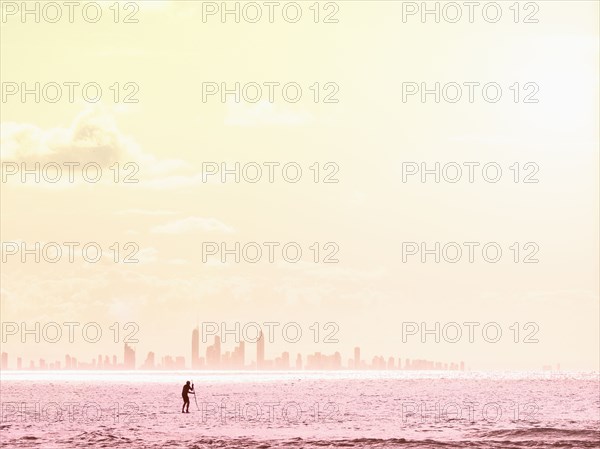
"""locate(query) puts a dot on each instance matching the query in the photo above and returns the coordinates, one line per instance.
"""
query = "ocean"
(336, 409)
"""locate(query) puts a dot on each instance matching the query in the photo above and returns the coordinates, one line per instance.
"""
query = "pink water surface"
(300, 410)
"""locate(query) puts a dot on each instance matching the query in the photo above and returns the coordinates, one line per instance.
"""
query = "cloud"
(191, 224)
(146, 255)
(92, 137)
(263, 113)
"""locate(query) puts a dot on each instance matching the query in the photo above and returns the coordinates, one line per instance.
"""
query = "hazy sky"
(367, 134)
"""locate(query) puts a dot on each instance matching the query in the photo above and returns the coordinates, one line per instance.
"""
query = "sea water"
(378, 409)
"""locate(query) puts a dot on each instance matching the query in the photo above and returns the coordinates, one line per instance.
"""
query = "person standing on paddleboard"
(187, 389)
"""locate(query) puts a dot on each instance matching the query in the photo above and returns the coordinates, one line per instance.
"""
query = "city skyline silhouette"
(216, 358)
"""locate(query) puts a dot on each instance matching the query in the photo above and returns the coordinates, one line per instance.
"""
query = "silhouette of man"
(187, 389)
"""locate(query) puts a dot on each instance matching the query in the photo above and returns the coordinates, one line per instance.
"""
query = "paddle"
(195, 400)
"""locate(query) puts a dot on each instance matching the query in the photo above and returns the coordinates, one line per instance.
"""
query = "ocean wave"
(107, 439)
(544, 432)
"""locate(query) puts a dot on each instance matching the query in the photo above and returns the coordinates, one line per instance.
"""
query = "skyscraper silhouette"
(218, 350)
(260, 351)
(129, 357)
(196, 348)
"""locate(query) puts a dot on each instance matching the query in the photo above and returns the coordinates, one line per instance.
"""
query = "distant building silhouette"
(129, 357)
(196, 348)
(260, 352)
(149, 364)
(213, 354)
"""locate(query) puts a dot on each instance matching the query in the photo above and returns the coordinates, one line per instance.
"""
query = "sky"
(162, 127)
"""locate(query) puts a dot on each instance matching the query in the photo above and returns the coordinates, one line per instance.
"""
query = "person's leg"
(183, 406)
